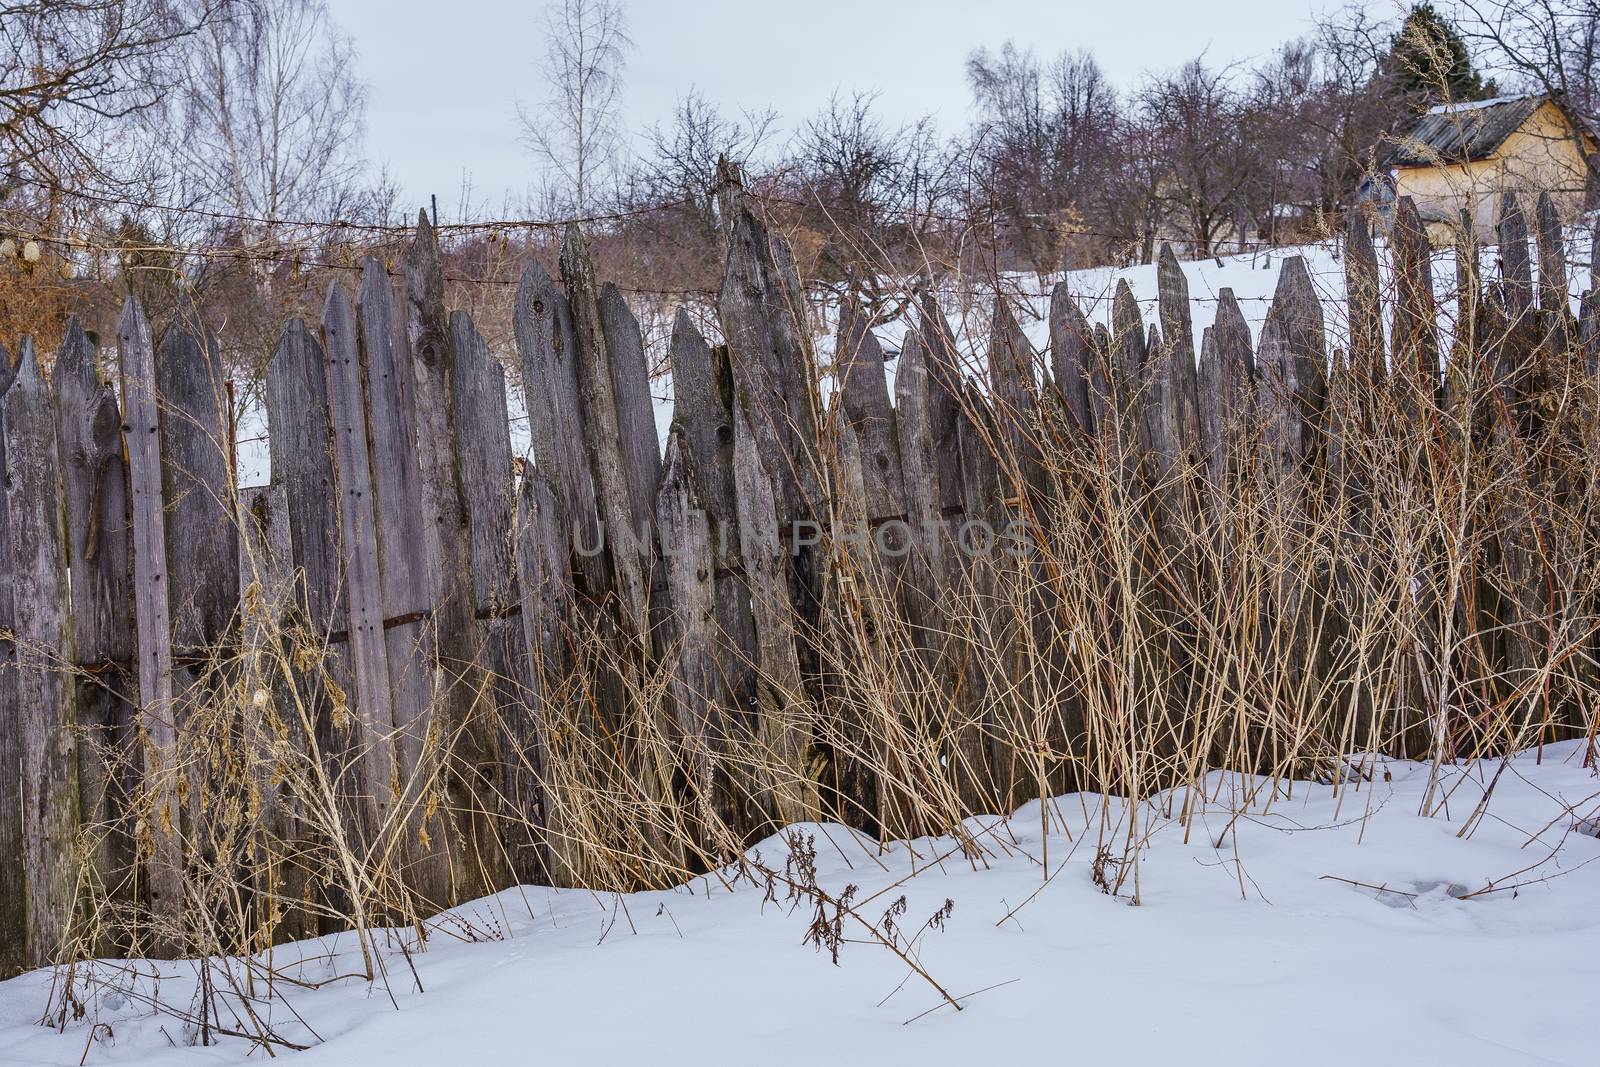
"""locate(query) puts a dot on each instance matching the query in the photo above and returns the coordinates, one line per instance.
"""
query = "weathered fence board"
(1363, 297)
(543, 325)
(274, 733)
(35, 563)
(13, 832)
(483, 457)
(1414, 336)
(461, 703)
(153, 623)
(197, 485)
(544, 577)
(1071, 341)
(94, 481)
(373, 740)
(703, 420)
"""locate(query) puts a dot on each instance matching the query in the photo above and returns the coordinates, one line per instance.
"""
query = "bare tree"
(680, 157)
(1041, 143)
(72, 69)
(871, 191)
(1203, 126)
(1129, 194)
(269, 120)
(576, 131)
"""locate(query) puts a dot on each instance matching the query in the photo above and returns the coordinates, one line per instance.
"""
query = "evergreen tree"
(1430, 60)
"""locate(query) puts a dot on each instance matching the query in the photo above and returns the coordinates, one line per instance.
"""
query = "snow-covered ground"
(1261, 939)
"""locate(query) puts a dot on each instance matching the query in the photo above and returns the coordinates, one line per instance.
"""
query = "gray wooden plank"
(1414, 336)
(484, 459)
(1363, 297)
(542, 322)
(1070, 353)
(1553, 298)
(784, 714)
(405, 574)
(1178, 332)
(301, 444)
(1292, 376)
(13, 912)
(864, 393)
(142, 440)
(372, 716)
(544, 578)
(197, 483)
(944, 404)
(36, 566)
(269, 594)
(462, 698)
(697, 696)
(602, 440)
(645, 730)
(1014, 402)
(99, 557)
(636, 420)
(403, 556)
(703, 420)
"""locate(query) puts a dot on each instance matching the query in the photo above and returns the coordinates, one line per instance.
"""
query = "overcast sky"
(445, 77)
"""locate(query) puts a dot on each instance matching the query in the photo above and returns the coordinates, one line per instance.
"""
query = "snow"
(1472, 105)
(1263, 938)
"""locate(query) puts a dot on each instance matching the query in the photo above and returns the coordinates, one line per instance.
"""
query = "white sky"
(445, 77)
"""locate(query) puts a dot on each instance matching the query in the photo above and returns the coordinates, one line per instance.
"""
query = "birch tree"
(270, 118)
(576, 130)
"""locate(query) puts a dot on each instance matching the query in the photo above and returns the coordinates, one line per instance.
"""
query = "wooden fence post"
(1292, 371)
(373, 727)
(1181, 372)
(95, 482)
(13, 912)
(784, 713)
(776, 436)
(197, 487)
(703, 419)
(1071, 357)
(407, 579)
(1363, 298)
(152, 617)
(1515, 367)
(302, 447)
(462, 694)
(617, 468)
(1414, 337)
(36, 566)
(1225, 388)
(1553, 298)
(697, 697)
(267, 607)
(544, 579)
(947, 442)
(543, 326)
(483, 457)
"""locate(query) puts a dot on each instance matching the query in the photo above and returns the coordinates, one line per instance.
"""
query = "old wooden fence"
(435, 578)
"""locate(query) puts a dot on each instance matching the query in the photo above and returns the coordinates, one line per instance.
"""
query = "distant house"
(1461, 157)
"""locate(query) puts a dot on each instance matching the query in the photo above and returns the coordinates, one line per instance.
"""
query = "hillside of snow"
(1325, 926)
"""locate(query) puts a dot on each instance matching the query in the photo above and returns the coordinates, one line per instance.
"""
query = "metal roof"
(1460, 133)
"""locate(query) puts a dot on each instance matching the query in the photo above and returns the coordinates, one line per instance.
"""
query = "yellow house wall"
(1539, 155)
